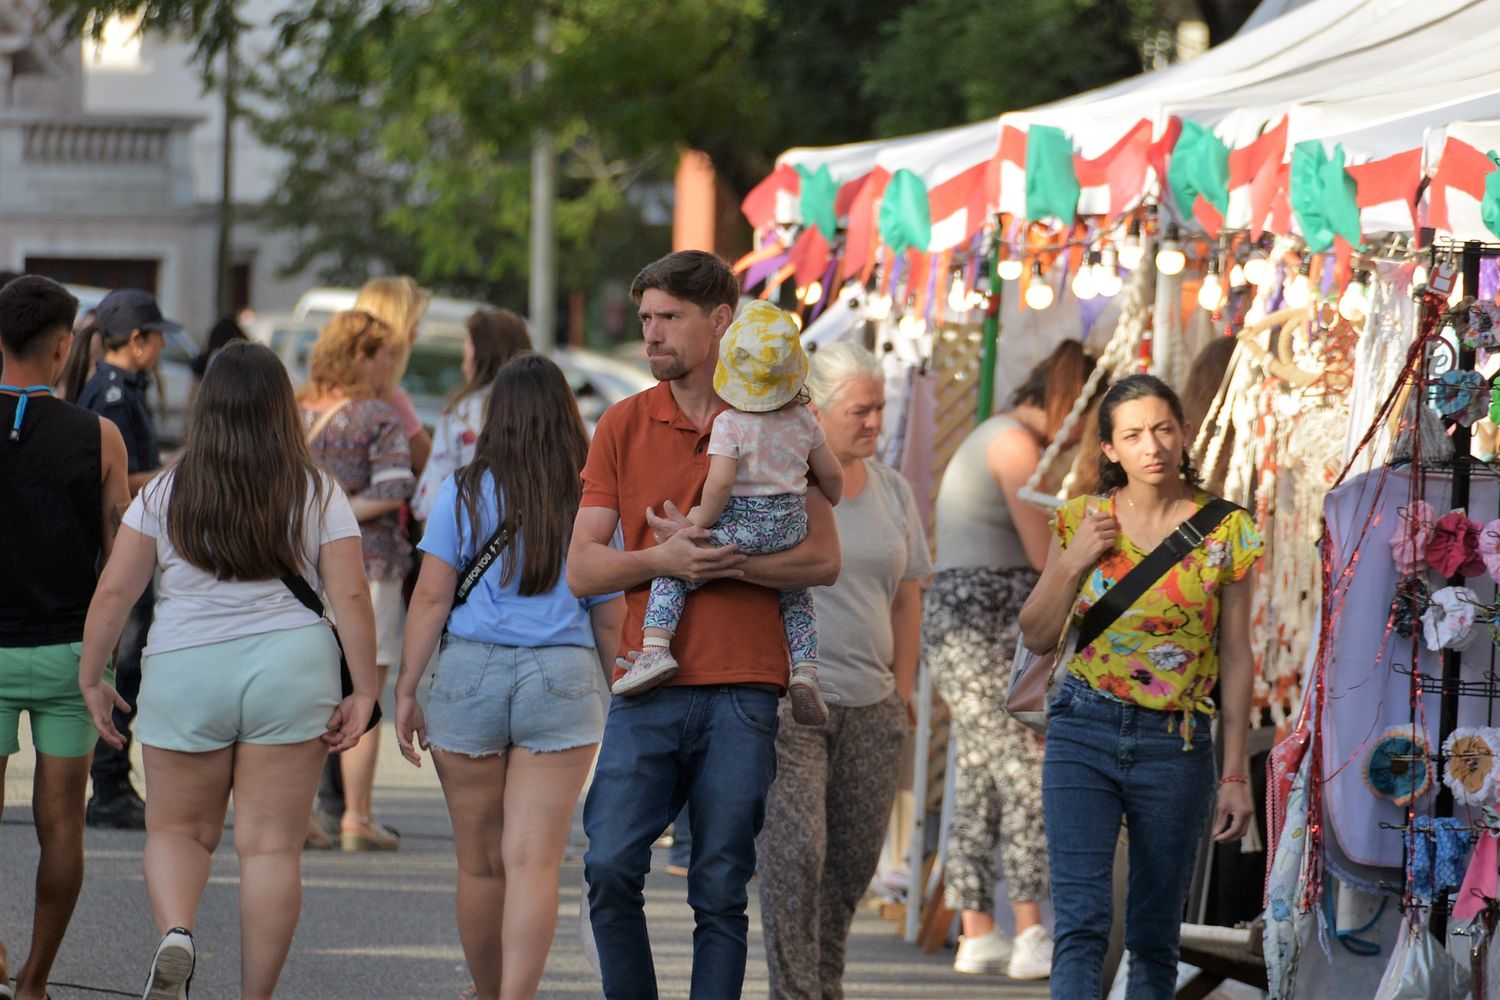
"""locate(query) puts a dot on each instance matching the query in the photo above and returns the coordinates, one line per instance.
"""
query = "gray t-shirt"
(880, 532)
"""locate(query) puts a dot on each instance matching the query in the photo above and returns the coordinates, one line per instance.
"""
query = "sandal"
(360, 833)
(469, 992)
(320, 830)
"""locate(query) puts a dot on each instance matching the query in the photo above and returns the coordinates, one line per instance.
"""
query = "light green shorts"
(43, 680)
(274, 687)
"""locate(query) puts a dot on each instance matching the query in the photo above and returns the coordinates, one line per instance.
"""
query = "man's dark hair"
(31, 308)
(703, 279)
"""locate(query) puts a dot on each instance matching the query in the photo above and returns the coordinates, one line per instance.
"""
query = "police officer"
(133, 331)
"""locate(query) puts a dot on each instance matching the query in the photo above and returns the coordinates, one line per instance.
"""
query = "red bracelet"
(1236, 779)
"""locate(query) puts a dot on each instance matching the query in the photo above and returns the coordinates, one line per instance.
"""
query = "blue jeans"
(1106, 759)
(714, 748)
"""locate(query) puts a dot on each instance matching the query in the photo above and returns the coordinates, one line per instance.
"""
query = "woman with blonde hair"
(399, 302)
(240, 681)
(357, 437)
(494, 337)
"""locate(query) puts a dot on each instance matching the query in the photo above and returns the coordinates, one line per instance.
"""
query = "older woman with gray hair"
(827, 812)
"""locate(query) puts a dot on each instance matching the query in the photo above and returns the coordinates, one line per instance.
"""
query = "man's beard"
(667, 367)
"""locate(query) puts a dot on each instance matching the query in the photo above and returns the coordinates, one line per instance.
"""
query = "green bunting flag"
(1051, 181)
(905, 219)
(1489, 208)
(817, 201)
(1323, 196)
(1200, 166)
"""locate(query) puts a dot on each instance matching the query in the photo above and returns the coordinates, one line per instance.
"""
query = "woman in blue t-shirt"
(516, 708)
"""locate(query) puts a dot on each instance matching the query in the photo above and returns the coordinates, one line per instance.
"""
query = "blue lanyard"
(25, 394)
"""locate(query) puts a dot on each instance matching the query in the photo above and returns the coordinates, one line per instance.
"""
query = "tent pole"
(990, 346)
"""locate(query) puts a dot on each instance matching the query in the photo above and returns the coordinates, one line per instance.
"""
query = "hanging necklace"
(25, 393)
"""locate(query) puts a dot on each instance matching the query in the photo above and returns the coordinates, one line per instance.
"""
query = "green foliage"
(944, 62)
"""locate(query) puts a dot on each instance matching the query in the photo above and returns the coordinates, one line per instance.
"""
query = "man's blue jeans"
(715, 749)
(1106, 759)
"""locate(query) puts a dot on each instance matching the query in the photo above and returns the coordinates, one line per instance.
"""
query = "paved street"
(382, 926)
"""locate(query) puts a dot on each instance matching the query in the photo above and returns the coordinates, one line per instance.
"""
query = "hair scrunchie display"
(1461, 396)
(1469, 768)
(1448, 622)
(1409, 541)
(1397, 765)
(1412, 599)
(1454, 545)
(1489, 548)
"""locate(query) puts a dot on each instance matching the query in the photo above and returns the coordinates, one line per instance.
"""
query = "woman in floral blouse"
(1128, 736)
(358, 438)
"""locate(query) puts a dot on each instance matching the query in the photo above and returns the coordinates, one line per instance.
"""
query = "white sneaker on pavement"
(986, 955)
(1031, 955)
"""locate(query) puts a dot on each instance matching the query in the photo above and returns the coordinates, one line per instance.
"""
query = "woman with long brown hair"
(356, 435)
(990, 547)
(515, 711)
(494, 337)
(240, 689)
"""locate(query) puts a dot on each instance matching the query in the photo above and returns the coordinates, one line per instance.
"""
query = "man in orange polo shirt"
(707, 737)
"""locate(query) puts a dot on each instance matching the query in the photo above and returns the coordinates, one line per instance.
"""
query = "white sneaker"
(1031, 956)
(654, 665)
(171, 967)
(986, 955)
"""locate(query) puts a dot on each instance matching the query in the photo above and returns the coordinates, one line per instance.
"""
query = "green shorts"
(43, 680)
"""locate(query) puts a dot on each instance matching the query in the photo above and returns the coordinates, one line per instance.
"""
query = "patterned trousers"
(969, 638)
(826, 818)
(759, 526)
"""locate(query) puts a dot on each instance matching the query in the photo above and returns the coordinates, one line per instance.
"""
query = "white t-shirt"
(194, 609)
(772, 449)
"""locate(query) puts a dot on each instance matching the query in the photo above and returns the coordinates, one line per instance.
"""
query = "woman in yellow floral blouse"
(1128, 736)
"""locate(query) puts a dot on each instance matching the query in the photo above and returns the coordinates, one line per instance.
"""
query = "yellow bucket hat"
(761, 362)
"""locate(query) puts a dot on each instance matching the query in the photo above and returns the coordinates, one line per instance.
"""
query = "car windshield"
(433, 370)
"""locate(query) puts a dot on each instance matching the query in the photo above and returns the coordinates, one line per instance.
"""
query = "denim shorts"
(273, 688)
(487, 698)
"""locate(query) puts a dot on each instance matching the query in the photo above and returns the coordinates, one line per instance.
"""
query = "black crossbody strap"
(303, 592)
(1186, 537)
(480, 564)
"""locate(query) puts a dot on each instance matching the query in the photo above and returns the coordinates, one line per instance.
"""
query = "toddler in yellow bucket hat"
(761, 449)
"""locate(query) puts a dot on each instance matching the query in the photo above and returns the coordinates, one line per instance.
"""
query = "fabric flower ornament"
(1448, 623)
(1396, 767)
(1409, 541)
(1470, 768)
(1453, 548)
(1412, 599)
(1460, 396)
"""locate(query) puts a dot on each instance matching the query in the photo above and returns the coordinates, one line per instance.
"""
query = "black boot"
(115, 804)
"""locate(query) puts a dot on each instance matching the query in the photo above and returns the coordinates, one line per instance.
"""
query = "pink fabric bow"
(1409, 540)
(1453, 548)
(1479, 880)
(1489, 548)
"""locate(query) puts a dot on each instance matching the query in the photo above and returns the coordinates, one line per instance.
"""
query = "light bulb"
(1010, 269)
(1107, 274)
(1354, 304)
(1084, 286)
(811, 293)
(958, 296)
(1257, 269)
(1038, 293)
(1237, 277)
(1170, 260)
(976, 300)
(1298, 291)
(1211, 293)
(879, 307)
(850, 291)
(1131, 251)
(913, 326)
(796, 319)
